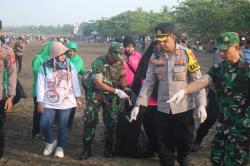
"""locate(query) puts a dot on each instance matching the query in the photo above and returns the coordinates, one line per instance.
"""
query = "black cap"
(118, 39)
(248, 40)
(128, 40)
(0, 24)
(243, 40)
(163, 30)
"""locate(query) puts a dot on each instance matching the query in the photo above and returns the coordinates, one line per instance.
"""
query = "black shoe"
(1, 156)
(196, 145)
(86, 153)
(108, 152)
(183, 162)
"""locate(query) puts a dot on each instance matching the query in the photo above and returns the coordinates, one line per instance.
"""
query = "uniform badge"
(12, 57)
(180, 76)
(158, 32)
(177, 52)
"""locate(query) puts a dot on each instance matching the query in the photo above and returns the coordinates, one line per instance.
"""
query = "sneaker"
(49, 148)
(59, 152)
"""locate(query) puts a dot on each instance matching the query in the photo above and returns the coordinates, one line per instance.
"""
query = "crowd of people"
(155, 93)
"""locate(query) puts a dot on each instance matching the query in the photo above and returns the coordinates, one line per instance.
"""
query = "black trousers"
(71, 117)
(19, 62)
(2, 122)
(212, 114)
(150, 126)
(36, 119)
(174, 132)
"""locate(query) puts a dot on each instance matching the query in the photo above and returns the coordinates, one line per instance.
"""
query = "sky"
(59, 12)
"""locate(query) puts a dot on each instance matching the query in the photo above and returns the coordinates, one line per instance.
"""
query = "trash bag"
(20, 93)
(131, 139)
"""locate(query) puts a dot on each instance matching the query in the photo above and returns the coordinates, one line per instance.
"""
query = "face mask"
(61, 65)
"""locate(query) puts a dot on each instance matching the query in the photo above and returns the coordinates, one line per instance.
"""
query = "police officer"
(8, 63)
(108, 76)
(174, 68)
(232, 83)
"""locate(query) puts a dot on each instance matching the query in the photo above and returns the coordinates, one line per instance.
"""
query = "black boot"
(196, 145)
(183, 162)
(86, 153)
(108, 151)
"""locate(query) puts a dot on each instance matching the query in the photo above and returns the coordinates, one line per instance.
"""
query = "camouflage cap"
(227, 39)
(117, 49)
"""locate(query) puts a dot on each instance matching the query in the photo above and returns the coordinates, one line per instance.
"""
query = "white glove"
(121, 94)
(202, 114)
(177, 97)
(134, 113)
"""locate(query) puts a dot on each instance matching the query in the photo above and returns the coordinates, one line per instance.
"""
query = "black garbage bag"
(131, 139)
(20, 93)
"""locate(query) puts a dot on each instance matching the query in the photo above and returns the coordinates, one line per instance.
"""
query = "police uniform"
(174, 122)
(8, 63)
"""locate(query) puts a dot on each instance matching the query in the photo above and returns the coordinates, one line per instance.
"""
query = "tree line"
(199, 18)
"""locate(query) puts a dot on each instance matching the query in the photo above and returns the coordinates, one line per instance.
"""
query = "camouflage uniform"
(232, 138)
(95, 99)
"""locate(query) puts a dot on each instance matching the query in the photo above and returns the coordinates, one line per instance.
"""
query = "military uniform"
(174, 121)
(232, 139)
(8, 63)
(110, 75)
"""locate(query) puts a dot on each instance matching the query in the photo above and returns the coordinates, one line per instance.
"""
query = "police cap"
(163, 30)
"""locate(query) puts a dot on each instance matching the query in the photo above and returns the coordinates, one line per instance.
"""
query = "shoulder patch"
(193, 64)
(12, 57)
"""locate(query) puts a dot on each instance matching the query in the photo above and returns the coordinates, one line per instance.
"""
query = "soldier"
(174, 67)
(8, 63)
(108, 75)
(232, 83)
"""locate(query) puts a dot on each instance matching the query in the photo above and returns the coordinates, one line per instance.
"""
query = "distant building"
(76, 28)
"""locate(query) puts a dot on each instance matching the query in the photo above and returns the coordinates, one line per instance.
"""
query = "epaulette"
(179, 49)
(152, 59)
(12, 56)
